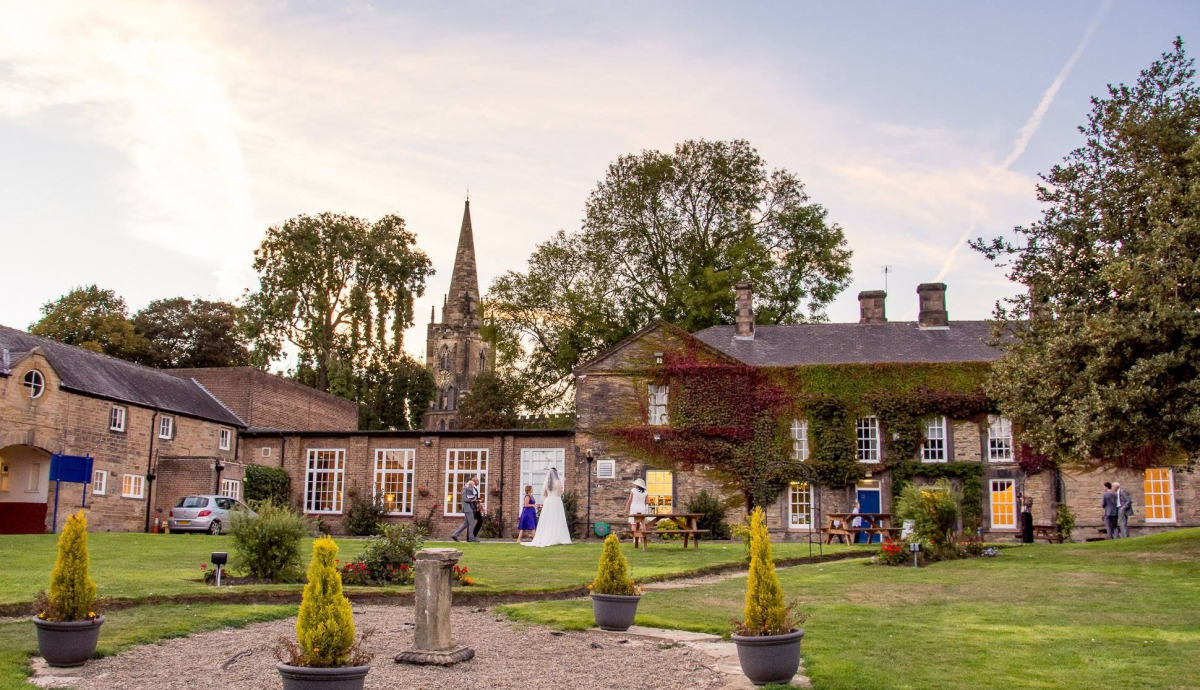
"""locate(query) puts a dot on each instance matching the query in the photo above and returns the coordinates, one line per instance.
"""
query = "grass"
(1122, 614)
(131, 627)
(145, 566)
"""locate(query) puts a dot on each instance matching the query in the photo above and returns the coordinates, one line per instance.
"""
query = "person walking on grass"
(470, 497)
(529, 519)
(1124, 509)
(1108, 503)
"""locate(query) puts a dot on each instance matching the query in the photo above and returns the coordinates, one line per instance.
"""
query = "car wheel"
(215, 527)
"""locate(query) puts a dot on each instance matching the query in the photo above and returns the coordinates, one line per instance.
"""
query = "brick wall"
(273, 402)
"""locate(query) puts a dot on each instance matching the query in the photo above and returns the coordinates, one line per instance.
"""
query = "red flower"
(204, 566)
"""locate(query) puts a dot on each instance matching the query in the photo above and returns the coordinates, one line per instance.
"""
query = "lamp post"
(219, 559)
(915, 547)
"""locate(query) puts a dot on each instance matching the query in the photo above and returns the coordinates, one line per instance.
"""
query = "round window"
(35, 382)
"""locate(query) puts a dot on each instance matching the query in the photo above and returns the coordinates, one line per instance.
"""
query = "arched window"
(444, 357)
(35, 382)
(451, 399)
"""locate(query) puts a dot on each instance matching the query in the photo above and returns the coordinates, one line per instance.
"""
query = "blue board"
(75, 469)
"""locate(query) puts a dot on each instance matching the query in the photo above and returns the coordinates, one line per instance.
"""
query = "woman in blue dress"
(528, 521)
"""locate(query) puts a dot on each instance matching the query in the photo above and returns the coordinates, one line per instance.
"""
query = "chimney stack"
(870, 306)
(744, 330)
(933, 306)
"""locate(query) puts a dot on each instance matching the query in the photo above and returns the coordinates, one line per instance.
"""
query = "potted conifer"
(324, 655)
(615, 597)
(67, 626)
(767, 642)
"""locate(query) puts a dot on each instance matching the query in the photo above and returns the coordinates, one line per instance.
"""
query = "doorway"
(870, 500)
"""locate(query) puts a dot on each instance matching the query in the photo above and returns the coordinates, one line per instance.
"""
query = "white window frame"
(606, 469)
(35, 381)
(537, 477)
(653, 506)
(656, 411)
(266, 452)
(99, 482)
(133, 486)
(225, 439)
(116, 418)
(1170, 494)
(336, 476)
(800, 439)
(406, 474)
(1000, 439)
(935, 448)
(867, 448)
(1012, 487)
(800, 490)
(457, 476)
(231, 488)
(166, 427)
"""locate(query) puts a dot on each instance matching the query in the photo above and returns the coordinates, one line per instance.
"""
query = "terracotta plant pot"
(67, 644)
(614, 611)
(304, 678)
(769, 658)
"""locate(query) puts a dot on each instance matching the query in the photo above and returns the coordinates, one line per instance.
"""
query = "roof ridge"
(220, 402)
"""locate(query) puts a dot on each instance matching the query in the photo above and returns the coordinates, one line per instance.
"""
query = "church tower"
(455, 353)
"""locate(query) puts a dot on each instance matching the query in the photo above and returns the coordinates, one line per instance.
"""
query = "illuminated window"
(1000, 440)
(35, 382)
(4, 476)
(226, 437)
(133, 486)
(660, 491)
(99, 482)
(1004, 504)
(323, 480)
(658, 405)
(166, 427)
(394, 479)
(867, 430)
(800, 505)
(934, 447)
(1159, 485)
(231, 488)
(116, 419)
(800, 439)
(535, 465)
(461, 465)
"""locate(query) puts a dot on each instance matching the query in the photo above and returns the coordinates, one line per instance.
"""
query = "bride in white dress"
(552, 525)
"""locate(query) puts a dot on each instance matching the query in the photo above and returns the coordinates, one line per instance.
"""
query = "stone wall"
(268, 401)
(1085, 489)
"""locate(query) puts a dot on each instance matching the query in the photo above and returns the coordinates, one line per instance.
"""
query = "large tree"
(492, 403)
(667, 235)
(92, 318)
(179, 332)
(392, 392)
(336, 286)
(1102, 357)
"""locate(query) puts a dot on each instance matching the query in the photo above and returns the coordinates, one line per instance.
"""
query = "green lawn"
(1123, 614)
(135, 566)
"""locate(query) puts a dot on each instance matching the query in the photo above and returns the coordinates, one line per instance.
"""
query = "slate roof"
(91, 373)
(855, 343)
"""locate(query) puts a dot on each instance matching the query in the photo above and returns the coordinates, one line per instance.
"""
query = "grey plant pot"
(304, 678)
(769, 658)
(67, 644)
(614, 611)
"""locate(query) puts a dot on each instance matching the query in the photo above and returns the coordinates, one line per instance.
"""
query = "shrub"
(1064, 519)
(389, 556)
(741, 531)
(893, 553)
(571, 508)
(612, 575)
(458, 576)
(357, 573)
(933, 511)
(364, 516)
(766, 613)
(490, 529)
(267, 546)
(72, 592)
(266, 485)
(426, 524)
(325, 623)
(712, 514)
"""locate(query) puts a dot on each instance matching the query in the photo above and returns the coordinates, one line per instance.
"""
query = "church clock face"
(443, 378)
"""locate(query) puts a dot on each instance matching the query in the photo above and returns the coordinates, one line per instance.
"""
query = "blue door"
(868, 502)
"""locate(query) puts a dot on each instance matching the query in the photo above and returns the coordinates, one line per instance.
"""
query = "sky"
(147, 146)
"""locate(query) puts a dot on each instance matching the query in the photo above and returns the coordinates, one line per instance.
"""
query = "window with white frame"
(1004, 504)
(35, 382)
(867, 431)
(800, 505)
(660, 491)
(116, 419)
(226, 439)
(99, 482)
(1159, 485)
(133, 486)
(933, 449)
(606, 469)
(657, 396)
(1000, 440)
(266, 452)
(394, 479)
(166, 427)
(232, 488)
(800, 439)
(536, 464)
(461, 465)
(323, 480)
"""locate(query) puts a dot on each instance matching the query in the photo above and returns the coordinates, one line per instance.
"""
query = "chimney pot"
(933, 306)
(871, 306)
(744, 319)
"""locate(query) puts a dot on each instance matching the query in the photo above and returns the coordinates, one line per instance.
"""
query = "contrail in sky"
(1032, 124)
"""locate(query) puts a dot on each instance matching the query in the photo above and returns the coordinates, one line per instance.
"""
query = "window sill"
(137, 498)
(1161, 522)
(322, 512)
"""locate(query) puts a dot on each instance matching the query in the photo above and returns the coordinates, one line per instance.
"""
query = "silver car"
(208, 513)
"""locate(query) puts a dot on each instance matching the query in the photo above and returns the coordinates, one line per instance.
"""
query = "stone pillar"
(432, 639)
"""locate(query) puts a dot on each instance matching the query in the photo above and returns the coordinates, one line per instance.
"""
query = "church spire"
(462, 304)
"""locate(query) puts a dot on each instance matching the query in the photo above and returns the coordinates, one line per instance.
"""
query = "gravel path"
(507, 655)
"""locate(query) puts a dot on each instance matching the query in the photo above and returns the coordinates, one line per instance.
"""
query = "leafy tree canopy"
(92, 318)
(666, 235)
(491, 403)
(1102, 361)
(179, 333)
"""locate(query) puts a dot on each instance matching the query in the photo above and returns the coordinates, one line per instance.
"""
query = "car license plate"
(183, 522)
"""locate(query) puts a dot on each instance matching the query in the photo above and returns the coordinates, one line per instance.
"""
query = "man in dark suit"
(1124, 509)
(470, 497)
(1109, 504)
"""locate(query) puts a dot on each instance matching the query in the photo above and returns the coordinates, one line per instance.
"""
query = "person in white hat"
(636, 505)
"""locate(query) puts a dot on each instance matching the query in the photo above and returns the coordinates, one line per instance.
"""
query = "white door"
(535, 464)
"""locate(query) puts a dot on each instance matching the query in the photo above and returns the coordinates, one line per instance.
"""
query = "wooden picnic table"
(839, 525)
(1047, 532)
(645, 526)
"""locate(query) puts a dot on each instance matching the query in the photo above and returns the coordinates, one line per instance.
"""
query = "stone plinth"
(432, 640)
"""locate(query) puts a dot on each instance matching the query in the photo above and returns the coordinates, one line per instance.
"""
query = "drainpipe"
(282, 448)
(150, 467)
(590, 460)
(503, 497)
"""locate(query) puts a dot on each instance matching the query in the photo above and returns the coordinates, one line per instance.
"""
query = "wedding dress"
(552, 525)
